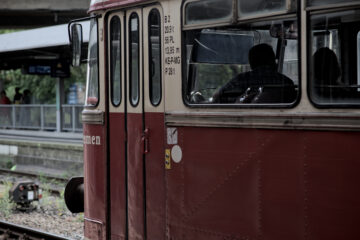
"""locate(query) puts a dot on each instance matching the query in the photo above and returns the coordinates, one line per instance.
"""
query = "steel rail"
(11, 230)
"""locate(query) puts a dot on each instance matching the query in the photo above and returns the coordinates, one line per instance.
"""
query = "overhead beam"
(50, 5)
(39, 13)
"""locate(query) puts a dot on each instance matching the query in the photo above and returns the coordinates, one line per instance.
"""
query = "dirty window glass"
(334, 65)
(92, 84)
(115, 55)
(208, 11)
(326, 2)
(155, 56)
(250, 64)
(134, 59)
(248, 8)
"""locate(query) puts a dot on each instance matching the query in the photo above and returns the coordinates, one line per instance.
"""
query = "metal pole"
(59, 102)
(42, 117)
(73, 117)
(13, 117)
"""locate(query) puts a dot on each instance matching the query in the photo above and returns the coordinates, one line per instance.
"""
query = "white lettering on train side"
(92, 140)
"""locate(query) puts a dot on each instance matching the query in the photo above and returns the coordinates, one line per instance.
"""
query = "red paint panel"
(332, 180)
(263, 184)
(117, 175)
(94, 176)
(155, 176)
(135, 176)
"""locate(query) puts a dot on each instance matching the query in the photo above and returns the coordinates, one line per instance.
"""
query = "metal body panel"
(270, 184)
(155, 175)
(136, 200)
(95, 199)
(117, 175)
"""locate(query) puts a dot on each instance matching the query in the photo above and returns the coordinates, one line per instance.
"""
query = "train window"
(327, 2)
(115, 55)
(92, 95)
(134, 61)
(333, 61)
(248, 8)
(248, 64)
(198, 12)
(155, 57)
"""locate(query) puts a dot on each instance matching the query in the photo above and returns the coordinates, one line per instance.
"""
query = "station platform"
(42, 152)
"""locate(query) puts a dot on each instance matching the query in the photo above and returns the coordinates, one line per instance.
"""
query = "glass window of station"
(334, 55)
(252, 62)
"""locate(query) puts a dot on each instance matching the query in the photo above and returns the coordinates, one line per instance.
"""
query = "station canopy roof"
(35, 46)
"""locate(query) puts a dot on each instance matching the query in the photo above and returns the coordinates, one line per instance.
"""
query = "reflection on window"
(327, 2)
(208, 10)
(134, 59)
(92, 85)
(257, 64)
(260, 7)
(334, 63)
(115, 54)
(155, 57)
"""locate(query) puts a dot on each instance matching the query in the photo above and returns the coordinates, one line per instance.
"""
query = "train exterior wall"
(263, 184)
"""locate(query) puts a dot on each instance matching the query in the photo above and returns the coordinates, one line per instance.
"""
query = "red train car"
(222, 119)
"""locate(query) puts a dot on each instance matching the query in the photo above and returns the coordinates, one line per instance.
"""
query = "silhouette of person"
(327, 73)
(17, 96)
(5, 111)
(4, 99)
(26, 99)
(263, 74)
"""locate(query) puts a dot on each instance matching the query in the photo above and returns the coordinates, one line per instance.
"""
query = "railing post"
(42, 117)
(13, 117)
(73, 117)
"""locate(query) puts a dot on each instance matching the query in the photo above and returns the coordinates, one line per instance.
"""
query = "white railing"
(40, 117)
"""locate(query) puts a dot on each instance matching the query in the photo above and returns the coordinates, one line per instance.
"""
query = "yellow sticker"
(167, 159)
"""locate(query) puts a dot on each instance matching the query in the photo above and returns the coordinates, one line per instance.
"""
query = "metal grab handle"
(145, 141)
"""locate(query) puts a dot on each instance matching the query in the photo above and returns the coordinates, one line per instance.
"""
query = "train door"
(117, 186)
(136, 167)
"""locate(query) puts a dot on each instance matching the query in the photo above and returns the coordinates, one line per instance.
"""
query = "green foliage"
(6, 205)
(6, 162)
(43, 88)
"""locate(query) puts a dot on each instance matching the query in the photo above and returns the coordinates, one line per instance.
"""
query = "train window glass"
(248, 64)
(334, 63)
(134, 56)
(358, 60)
(251, 8)
(115, 55)
(197, 12)
(155, 57)
(92, 84)
(313, 3)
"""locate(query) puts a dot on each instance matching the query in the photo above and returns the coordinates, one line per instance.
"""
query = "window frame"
(134, 104)
(112, 66)
(96, 19)
(236, 16)
(150, 59)
(309, 13)
(186, 82)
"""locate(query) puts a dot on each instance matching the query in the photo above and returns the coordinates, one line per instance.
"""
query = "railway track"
(9, 231)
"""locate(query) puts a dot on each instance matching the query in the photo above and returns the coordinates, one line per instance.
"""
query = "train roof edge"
(105, 4)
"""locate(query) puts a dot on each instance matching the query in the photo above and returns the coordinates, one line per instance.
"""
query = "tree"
(43, 88)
